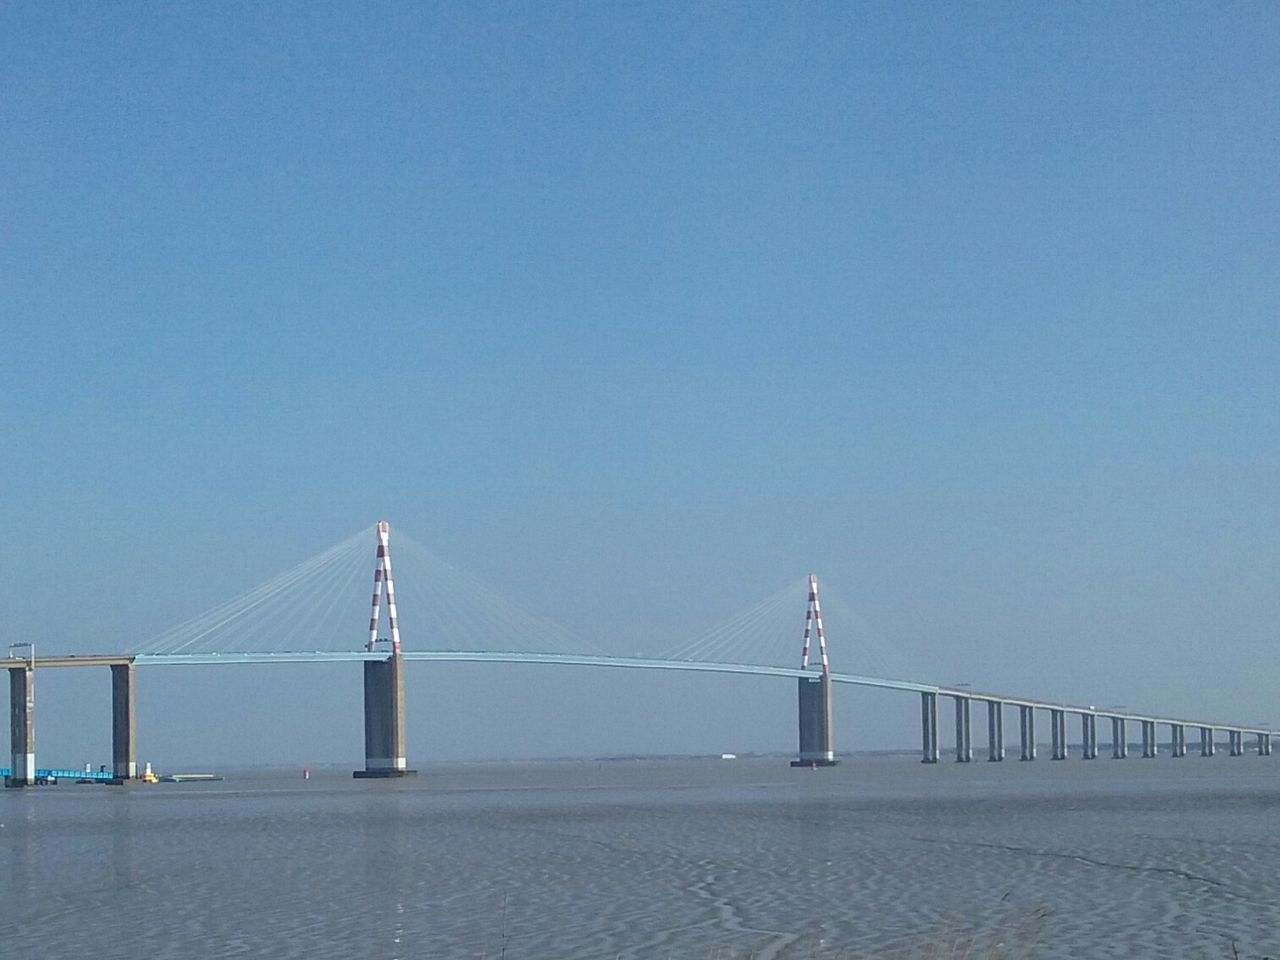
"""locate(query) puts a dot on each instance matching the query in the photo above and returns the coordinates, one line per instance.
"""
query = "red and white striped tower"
(813, 618)
(816, 749)
(380, 573)
(384, 749)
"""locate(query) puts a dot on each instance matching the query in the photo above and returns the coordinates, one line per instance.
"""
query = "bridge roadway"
(635, 663)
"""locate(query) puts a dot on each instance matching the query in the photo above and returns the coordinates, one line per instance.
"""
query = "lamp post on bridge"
(31, 652)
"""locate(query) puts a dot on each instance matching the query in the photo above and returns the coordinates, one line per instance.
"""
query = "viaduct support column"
(1236, 743)
(1265, 744)
(929, 727)
(22, 727)
(995, 730)
(1058, 733)
(1119, 738)
(124, 763)
(1027, 725)
(384, 752)
(1178, 739)
(1206, 741)
(964, 730)
(1089, 736)
(1149, 749)
(815, 723)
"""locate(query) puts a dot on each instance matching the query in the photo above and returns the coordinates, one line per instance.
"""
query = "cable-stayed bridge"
(306, 615)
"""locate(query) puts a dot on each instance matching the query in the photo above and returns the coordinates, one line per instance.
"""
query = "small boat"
(728, 756)
(189, 778)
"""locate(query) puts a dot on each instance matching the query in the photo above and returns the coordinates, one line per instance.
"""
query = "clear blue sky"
(640, 311)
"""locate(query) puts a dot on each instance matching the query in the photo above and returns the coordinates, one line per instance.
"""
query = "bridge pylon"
(384, 749)
(814, 692)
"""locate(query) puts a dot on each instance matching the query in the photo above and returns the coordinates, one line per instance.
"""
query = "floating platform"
(190, 778)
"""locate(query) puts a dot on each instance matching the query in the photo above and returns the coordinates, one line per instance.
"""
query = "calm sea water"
(656, 859)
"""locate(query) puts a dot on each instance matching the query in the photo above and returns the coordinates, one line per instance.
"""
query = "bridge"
(382, 660)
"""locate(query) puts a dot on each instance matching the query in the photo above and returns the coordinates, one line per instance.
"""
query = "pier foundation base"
(384, 751)
(964, 730)
(929, 727)
(22, 727)
(1027, 732)
(995, 731)
(124, 762)
(1088, 736)
(1119, 738)
(814, 700)
(1058, 734)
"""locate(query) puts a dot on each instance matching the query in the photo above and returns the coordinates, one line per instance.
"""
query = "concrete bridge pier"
(1235, 741)
(964, 730)
(815, 723)
(1149, 748)
(1264, 744)
(124, 762)
(22, 727)
(1206, 741)
(1119, 738)
(995, 730)
(1089, 736)
(929, 727)
(1027, 730)
(1058, 734)
(384, 750)
(1178, 739)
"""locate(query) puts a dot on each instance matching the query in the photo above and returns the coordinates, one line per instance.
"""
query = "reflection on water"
(672, 859)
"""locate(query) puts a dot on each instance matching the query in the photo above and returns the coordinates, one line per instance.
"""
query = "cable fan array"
(444, 607)
(766, 633)
(322, 604)
(297, 610)
(769, 633)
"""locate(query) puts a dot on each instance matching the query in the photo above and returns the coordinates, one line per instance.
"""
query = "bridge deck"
(645, 663)
(591, 660)
(92, 660)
